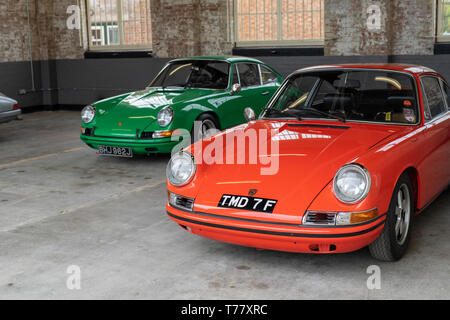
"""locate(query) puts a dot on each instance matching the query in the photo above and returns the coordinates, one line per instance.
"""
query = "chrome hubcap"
(403, 214)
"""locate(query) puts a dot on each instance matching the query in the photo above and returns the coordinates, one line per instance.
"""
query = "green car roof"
(221, 58)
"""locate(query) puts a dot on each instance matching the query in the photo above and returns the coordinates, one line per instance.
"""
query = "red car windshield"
(194, 74)
(359, 95)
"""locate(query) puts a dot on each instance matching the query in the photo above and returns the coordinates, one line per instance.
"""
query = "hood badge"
(120, 124)
(252, 192)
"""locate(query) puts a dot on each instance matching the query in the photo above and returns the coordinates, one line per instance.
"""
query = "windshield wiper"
(276, 112)
(326, 114)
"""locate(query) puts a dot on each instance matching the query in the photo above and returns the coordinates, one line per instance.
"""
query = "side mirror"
(249, 114)
(235, 88)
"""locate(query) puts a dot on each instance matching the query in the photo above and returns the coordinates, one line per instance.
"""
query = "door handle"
(265, 93)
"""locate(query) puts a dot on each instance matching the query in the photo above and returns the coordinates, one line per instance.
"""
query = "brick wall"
(189, 27)
(50, 37)
(406, 27)
(202, 27)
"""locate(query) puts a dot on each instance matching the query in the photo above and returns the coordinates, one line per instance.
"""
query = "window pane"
(136, 21)
(296, 93)
(375, 96)
(132, 28)
(447, 95)
(103, 14)
(256, 20)
(194, 74)
(301, 20)
(267, 75)
(249, 74)
(445, 17)
(433, 94)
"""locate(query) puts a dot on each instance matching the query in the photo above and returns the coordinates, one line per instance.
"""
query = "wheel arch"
(413, 175)
(212, 114)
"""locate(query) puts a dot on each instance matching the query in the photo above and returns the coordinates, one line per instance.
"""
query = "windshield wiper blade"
(326, 114)
(277, 112)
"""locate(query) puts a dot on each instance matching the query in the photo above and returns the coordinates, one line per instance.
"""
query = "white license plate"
(247, 203)
(115, 151)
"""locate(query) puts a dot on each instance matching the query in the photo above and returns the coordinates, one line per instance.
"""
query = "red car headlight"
(351, 183)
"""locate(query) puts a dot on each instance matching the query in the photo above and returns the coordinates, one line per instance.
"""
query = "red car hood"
(309, 155)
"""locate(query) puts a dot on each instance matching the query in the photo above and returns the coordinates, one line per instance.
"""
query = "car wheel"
(207, 127)
(391, 245)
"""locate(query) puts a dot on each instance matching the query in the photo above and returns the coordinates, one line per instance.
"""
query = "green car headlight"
(351, 183)
(181, 168)
(165, 116)
(87, 114)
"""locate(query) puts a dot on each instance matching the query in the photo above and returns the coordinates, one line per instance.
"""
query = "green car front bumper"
(139, 146)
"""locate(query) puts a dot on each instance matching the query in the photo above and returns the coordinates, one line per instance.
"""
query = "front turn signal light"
(346, 218)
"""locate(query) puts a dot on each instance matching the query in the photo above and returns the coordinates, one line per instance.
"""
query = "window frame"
(426, 105)
(443, 86)
(102, 35)
(270, 43)
(167, 65)
(287, 80)
(440, 37)
(105, 47)
(239, 76)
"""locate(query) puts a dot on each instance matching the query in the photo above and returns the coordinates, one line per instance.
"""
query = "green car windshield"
(194, 74)
(346, 95)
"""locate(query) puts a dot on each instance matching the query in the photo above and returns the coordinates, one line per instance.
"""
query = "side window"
(249, 74)
(267, 75)
(434, 98)
(447, 94)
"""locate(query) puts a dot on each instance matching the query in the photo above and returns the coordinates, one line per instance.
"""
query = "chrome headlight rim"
(365, 174)
(169, 173)
(93, 113)
(165, 122)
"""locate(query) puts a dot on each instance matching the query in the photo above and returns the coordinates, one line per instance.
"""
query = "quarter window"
(447, 95)
(249, 74)
(267, 75)
(433, 95)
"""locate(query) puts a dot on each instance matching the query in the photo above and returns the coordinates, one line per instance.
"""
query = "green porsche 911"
(218, 92)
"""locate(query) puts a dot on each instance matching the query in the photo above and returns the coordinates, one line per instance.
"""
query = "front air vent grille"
(186, 203)
(147, 135)
(89, 131)
(319, 218)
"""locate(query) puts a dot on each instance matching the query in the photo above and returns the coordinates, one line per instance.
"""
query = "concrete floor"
(62, 205)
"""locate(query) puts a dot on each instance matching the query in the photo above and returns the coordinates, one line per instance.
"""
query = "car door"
(435, 170)
(248, 77)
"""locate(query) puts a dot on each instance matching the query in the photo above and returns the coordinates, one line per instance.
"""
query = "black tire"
(391, 245)
(203, 118)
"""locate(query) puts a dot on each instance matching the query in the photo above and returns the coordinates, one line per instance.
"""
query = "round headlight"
(87, 114)
(351, 183)
(181, 168)
(165, 116)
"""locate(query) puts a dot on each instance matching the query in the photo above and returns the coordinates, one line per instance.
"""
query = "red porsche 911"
(359, 151)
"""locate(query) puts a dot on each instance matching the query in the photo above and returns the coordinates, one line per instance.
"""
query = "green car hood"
(138, 110)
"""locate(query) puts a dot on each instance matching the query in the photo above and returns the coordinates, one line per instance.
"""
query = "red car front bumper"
(279, 236)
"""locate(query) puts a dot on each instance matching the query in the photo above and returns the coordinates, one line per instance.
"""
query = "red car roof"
(410, 68)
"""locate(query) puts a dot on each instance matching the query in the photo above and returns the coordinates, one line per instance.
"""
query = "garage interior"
(62, 205)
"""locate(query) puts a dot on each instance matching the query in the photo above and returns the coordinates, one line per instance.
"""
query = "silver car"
(9, 109)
